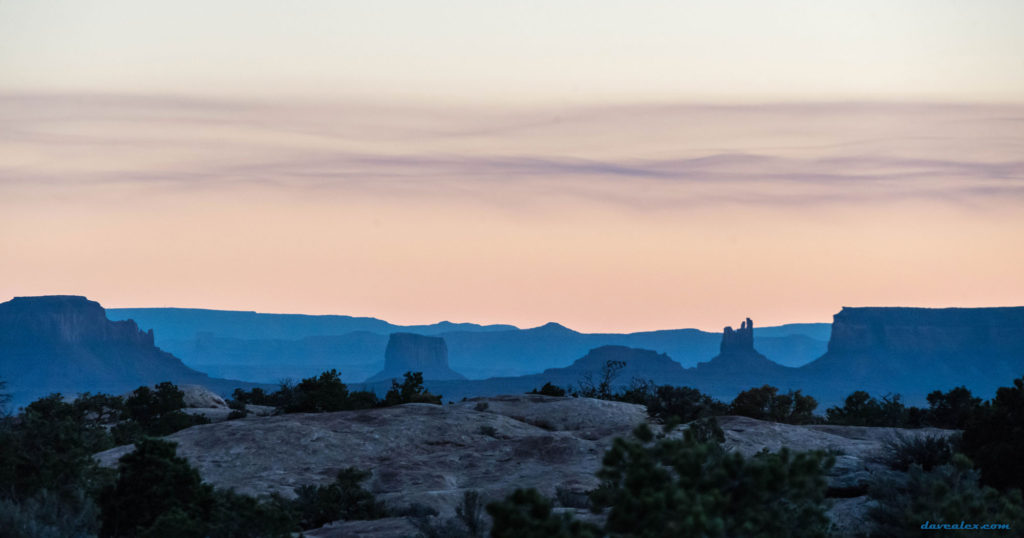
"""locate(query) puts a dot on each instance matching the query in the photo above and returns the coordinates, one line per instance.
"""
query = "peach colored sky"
(621, 218)
(516, 162)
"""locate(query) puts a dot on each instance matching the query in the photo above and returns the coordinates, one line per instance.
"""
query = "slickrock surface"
(430, 454)
(418, 452)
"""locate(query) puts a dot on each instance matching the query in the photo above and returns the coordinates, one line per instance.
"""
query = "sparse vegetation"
(327, 393)
(528, 514)
(345, 498)
(900, 452)
(661, 486)
(765, 403)
(949, 493)
(411, 390)
(994, 439)
(548, 389)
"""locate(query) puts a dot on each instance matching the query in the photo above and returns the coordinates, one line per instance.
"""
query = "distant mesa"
(65, 343)
(409, 352)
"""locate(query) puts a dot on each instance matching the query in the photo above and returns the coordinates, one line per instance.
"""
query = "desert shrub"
(489, 431)
(765, 403)
(601, 388)
(49, 445)
(236, 414)
(661, 486)
(706, 430)
(159, 494)
(860, 409)
(949, 493)
(258, 396)
(154, 412)
(468, 521)
(362, 399)
(344, 498)
(47, 514)
(151, 482)
(954, 409)
(481, 406)
(994, 439)
(411, 390)
(570, 498)
(527, 514)
(549, 389)
(319, 394)
(900, 452)
(471, 513)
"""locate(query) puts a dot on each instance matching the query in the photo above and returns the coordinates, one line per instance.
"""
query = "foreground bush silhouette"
(861, 409)
(658, 487)
(548, 389)
(995, 439)
(527, 514)
(765, 403)
(948, 494)
(954, 409)
(411, 390)
(345, 498)
(901, 452)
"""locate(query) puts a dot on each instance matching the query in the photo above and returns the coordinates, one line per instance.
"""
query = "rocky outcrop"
(739, 360)
(66, 344)
(430, 454)
(199, 396)
(422, 453)
(738, 341)
(408, 352)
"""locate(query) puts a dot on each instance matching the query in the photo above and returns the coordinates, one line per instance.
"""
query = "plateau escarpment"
(66, 344)
(913, 351)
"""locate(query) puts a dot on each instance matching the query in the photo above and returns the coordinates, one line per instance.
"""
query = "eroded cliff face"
(739, 360)
(408, 352)
(65, 319)
(66, 344)
(914, 351)
(931, 330)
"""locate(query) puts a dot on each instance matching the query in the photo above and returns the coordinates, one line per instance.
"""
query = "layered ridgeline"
(906, 351)
(271, 347)
(66, 344)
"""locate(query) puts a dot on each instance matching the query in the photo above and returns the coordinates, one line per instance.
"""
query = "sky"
(603, 165)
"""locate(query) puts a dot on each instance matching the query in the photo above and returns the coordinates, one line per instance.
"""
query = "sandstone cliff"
(916, 350)
(66, 344)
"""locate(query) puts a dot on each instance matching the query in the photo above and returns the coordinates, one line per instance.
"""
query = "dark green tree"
(527, 514)
(947, 494)
(664, 486)
(954, 409)
(411, 390)
(765, 403)
(994, 440)
(549, 390)
(345, 498)
(319, 394)
(152, 483)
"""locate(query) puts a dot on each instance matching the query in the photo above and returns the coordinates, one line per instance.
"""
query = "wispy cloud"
(643, 156)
